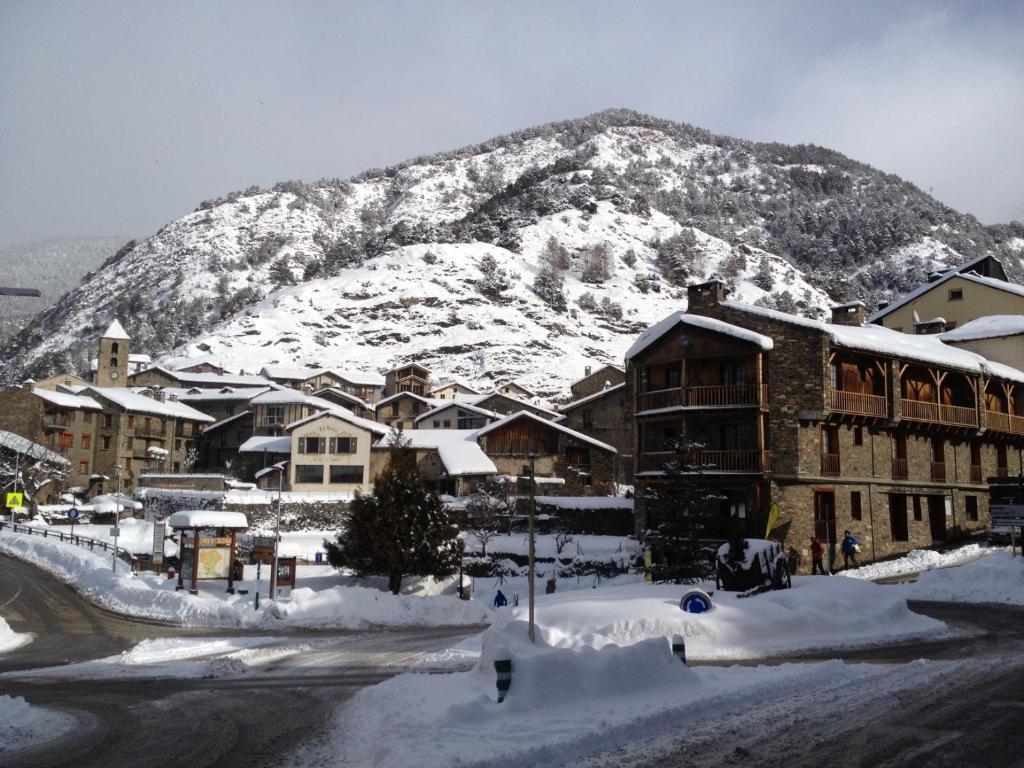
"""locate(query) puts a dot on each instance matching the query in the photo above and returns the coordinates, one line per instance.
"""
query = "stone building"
(407, 378)
(112, 361)
(844, 425)
(595, 381)
(603, 416)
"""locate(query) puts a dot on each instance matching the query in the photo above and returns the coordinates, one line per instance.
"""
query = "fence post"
(679, 647)
(503, 671)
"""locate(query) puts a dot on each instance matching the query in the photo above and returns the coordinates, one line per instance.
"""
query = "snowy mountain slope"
(338, 272)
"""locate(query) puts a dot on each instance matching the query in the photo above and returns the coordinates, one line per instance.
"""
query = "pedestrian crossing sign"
(14, 499)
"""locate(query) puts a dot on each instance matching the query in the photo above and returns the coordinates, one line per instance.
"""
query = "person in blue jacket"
(849, 547)
(500, 600)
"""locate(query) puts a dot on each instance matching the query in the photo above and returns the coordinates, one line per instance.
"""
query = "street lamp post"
(533, 510)
(117, 517)
(279, 468)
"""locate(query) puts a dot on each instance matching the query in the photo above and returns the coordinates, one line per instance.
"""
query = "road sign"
(1008, 514)
(115, 531)
(73, 513)
(14, 499)
(696, 601)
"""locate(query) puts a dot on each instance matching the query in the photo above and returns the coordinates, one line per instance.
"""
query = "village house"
(603, 416)
(275, 410)
(996, 337)
(951, 298)
(347, 401)
(844, 425)
(450, 389)
(160, 376)
(596, 380)
(584, 464)
(407, 378)
(507, 404)
(332, 451)
(366, 387)
(512, 389)
(456, 416)
(401, 409)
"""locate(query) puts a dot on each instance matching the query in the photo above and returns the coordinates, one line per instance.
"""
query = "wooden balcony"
(938, 470)
(976, 475)
(936, 413)
(723, 396)
(830, 464)
(708, 461)
(858, 404)
(1010, 423)
(899, 469)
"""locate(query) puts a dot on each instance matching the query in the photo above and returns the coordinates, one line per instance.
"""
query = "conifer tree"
(401, 529)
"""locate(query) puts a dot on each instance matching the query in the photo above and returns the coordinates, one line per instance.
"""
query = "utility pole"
(117, 517)
(533, 511)
(277, 529)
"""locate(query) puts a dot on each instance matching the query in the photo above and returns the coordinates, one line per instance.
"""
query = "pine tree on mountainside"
(401, 529)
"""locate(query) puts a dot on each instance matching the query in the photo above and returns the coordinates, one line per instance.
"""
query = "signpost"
(159, 534)
(1011, 515)
(73, 514)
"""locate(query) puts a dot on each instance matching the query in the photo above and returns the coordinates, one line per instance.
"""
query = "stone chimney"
(854, 313)
(705, 295)
(926, 327)
(586, 370)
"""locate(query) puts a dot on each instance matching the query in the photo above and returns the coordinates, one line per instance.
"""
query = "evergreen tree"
(550, 288)
(402, 529)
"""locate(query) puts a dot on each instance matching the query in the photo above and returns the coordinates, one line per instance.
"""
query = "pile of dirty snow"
(24, 725)
(919, 560)
(9, 639)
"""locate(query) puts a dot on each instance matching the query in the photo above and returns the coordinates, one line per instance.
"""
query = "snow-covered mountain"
(527, 256)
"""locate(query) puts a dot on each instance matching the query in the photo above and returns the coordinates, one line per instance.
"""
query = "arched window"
(113, 362)
(113, 348)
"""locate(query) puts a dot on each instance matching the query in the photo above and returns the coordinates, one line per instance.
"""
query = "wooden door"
(937, 517)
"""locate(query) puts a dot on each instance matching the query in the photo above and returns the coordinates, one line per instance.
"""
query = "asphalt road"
(252, 720)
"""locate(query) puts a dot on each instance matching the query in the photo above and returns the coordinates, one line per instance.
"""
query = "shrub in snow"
(555, 256)
(645, 282)
(597, 264)
(493, 279)
(549, 287)
(587, 302)
(629, 258)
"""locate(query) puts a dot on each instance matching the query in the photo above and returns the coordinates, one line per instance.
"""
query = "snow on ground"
(998, 578)
(602, 672)
(153, 596)
(135, 535)
(24, 725)
(919, 560)
(592, 547)
(9, 639)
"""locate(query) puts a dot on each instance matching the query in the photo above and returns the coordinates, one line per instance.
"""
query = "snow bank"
(919, 560)
(9, 639)
(151, 596)
(23, 725)
(998, 578)
(817, 613)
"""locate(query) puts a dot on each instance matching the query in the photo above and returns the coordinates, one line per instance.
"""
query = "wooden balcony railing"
(830, 463)
(952, 415)
(858, 404)
(707, 461)
(721, 396)
(938, 470)
(997, 421)
(899, 469)
(976, 476)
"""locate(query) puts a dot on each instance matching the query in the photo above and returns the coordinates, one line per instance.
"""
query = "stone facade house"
(596, 380)
(844, 425)
(407, 378)
(603, 416)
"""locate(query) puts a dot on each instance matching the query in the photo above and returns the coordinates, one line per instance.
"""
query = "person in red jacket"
(817, 557)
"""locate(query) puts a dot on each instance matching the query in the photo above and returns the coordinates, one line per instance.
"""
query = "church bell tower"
(112, 363)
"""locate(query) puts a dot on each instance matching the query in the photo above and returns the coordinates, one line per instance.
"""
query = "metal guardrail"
(81, 541)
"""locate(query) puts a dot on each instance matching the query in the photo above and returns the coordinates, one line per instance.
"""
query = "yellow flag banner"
(773, 518)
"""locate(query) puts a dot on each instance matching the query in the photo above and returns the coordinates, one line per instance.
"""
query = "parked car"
(759, 566)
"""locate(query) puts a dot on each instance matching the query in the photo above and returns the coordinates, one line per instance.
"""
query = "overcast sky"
(116, 117)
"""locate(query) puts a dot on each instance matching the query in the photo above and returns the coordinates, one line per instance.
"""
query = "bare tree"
(29, 467)
(562, 539)
(486, 512)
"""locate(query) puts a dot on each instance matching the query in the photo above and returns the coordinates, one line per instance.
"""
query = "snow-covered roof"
(24, 446)
(266, 444)
(595, 396)
(339, 413)
(457, 449)
(293, 396)
(65, 400)
(456, 404)
(535, 405)
(136, 403)
(877, 339)
(228, 420)
(207, 518)
(554, 425)
(659, 329)
(455, 382)
(594, 373)
(428, 400)
(962, 271)
(116, 331)
(224, 393)
(210, 380)
(338, 392)
(516, 384)
(268, 470)
(363, 378)
(988, 327)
